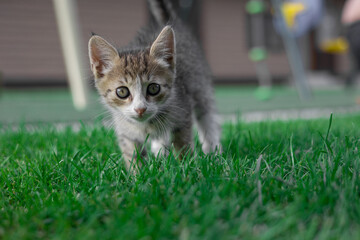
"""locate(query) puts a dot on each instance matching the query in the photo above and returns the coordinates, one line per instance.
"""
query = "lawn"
(275, 180)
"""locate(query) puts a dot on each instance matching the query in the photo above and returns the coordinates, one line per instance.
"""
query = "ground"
(294, 179)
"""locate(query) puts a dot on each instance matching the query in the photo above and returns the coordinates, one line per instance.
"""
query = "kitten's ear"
(163, 48)
(102, 55)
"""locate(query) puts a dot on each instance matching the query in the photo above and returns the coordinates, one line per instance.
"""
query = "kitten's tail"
(162, 11)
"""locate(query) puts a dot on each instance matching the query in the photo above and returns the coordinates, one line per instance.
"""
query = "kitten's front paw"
(208, 147)
(158, 148)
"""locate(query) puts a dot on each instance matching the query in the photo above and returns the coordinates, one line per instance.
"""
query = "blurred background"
(270, 59)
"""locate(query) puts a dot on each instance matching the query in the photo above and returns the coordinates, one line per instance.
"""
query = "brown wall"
(29, 44)
(29, 41)
(30, 48)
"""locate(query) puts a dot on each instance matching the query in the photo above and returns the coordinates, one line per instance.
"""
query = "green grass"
(274, 180)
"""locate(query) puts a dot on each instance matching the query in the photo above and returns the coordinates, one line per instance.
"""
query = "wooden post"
(69, 31)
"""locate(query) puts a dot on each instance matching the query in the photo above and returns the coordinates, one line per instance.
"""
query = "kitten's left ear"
(163, 48)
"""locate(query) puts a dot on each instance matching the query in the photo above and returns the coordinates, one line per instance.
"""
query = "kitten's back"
(192, 70)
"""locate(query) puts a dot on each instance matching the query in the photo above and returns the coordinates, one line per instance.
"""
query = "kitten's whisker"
(159, 125)
(162, 125)
(173, 107)
(105, 115)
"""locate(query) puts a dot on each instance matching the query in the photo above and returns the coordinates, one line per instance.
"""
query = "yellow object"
(336, 46)
(290, 10)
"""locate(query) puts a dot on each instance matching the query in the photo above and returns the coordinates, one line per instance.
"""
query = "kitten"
(155, 85)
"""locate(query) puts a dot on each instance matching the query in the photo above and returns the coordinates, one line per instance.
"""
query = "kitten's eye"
(122, 92)
(153, 89)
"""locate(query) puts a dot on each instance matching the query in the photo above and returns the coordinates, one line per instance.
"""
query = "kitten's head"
(135, 83)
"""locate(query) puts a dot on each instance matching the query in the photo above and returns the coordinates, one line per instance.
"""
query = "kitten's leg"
(130, 150)
(209, 133)
(208, 127)
(183, 139)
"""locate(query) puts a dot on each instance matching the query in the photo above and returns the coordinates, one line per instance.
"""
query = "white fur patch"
(162, 63)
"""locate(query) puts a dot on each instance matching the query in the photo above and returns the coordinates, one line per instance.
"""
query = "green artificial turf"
(274, 180)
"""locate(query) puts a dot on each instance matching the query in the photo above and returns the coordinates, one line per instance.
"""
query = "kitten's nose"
(140, 111)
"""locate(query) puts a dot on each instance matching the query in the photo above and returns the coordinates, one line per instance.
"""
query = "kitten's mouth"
(142, 118)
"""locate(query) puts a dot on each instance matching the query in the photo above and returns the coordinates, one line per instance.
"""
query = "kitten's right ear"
(164, 46)
(102, 55)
